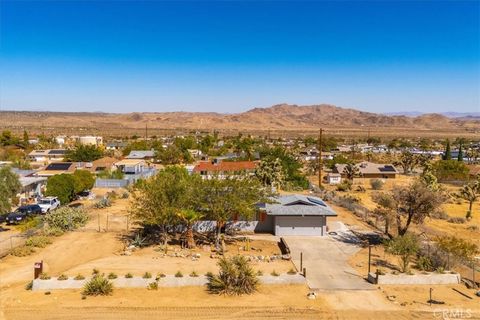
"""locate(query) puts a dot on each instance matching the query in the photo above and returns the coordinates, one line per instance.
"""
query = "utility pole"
(146, 131)
(320, 161)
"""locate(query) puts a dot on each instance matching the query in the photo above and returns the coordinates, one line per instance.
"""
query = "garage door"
(299, 226)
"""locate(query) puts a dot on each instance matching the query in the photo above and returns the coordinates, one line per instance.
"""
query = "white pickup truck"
(48, 204)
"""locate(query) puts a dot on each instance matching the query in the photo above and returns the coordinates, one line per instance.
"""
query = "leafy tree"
(405, 246)
(189, 217)
(224, 199)
(407, 161)
(83, 180)
(8, 139)
(159, 200)
(9, 187)
(448, 154)
(470, 192)
(270, 172)
(61, 186)
(25, 139)
(407, 204)
(351, 171)
(171, 155)
(337, 159)
(446, 170)
(84, 153)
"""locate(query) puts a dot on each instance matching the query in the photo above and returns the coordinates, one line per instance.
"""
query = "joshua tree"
(351, 171)
(470, 192)
(270, 172)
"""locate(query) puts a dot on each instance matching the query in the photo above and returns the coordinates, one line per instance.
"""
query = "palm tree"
(351, 171)
(189, 217)
(470, 193)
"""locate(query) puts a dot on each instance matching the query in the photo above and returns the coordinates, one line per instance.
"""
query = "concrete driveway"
(326, 260)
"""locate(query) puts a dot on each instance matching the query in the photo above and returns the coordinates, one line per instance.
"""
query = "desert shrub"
(292, 271)
(152, 286)
(103, 203)
(95, 271)
(22, 251)
(377, 184)
(112, 276)
(344, 186)
(406, 247)
(30, 223)
(259, 273)
(147, 275)
(129, 275)
(98, 285)
(440, 214)
(44, 276)
(125, 195)
(440, 270)
(274, 273)
(459, 249)
(473, 228)
(179, 274)
(79, 277)
(209, 274)
(62, 277)
(457, 220)
(424, 263)
(139, 241)
(38, 241)
(193, 274)
(236, 276)
(66, 218)
(29, 286)
(159, 276)
(53, 232)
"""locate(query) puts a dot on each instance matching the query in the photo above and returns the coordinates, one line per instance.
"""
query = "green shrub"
(62, 277)
(112, 276)
(66, 218)
(129, 275)
(98, 285)
(235, 277)
(152, 286)
(53, 232)
(424, 263)
(179, 274)
(159, 276)
(457, 220)
(79, 277)
(29, 286)
(147, 275)
(259, 273)
(44, 276)
(275, 273)
(38, 241)
(377, 184)
(30, 223)
(125, 195)
(193, 274)
(344, 186)
(103, 203)
(22, 251)
(95, 271)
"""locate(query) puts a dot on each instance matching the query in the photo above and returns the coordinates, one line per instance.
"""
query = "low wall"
(168, 281)
(430, 278)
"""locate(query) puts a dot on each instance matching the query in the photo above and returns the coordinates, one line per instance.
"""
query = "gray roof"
(369, 168)
(298, 205)
(26, 181)
(141, 154)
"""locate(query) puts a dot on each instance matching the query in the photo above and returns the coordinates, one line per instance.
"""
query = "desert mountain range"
(277, 117)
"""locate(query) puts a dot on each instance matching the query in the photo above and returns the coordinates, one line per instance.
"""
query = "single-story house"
(131, 166)
(99, 165)
(370, 170)
(334, 178)
(55, 168)
(141, 154)
(47, 155)
(208, 169)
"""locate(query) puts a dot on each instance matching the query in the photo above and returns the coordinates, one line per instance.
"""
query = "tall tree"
(407, 161)
(470, 192)
(351, 171)
(448, 154)
(409, 204)
(460, 153)
(9, 187)
(61, 186)
(84, 153)
(270, 172)
(189, 217)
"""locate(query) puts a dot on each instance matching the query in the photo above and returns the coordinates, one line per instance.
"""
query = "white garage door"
(299, 226)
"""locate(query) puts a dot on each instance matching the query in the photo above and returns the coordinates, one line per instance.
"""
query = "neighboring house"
(99, 165)
(370, 170)
(221, 169)
(141, 154)
(47, 155)
(55, 168)
(131, 166)
(116, 145)
(334, 178)
(90, 140)
(473, 171)
(32, 186)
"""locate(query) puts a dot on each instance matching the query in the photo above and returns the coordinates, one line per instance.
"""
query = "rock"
(391, 298)
(286, 257)
(311, 296)
(131, 247)
(403, 304)
(197, 255)
(261, 258)
(127, 253)
(478, 293)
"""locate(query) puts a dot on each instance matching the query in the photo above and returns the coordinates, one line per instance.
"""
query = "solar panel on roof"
(387, 169)
(57, 151)
(317, 201)
(59, 166)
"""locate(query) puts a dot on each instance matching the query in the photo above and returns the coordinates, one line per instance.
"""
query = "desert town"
(308, 224)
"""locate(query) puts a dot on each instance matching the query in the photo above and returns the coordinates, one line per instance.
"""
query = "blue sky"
(125, 56)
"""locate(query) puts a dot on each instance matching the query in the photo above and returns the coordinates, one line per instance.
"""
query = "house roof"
(298, 205)
(140, 154)
(26, 181)
(474, 169)
(48, 152)
(128, 162)
(225, 166)
(369, 168)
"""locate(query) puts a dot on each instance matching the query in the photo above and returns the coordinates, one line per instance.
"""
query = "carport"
(299, 215)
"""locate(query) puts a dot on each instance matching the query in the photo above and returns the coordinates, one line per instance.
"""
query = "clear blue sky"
(124, 56)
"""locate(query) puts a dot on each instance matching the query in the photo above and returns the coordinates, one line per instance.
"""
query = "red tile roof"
(225, 166)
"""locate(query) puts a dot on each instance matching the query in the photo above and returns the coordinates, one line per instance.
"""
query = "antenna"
(320, 160)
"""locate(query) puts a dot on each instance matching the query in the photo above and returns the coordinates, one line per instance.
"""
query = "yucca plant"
(236, 277)
(98, 285)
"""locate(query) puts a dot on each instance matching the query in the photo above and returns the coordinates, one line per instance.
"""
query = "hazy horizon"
(229, 57)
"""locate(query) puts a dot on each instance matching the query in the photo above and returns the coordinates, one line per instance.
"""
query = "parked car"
(48, 204)
(23, 213)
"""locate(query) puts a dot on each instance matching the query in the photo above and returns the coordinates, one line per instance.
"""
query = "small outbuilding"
(298, 215)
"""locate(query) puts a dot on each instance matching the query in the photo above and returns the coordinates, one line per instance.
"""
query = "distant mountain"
(446, 114)
(277, 117)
